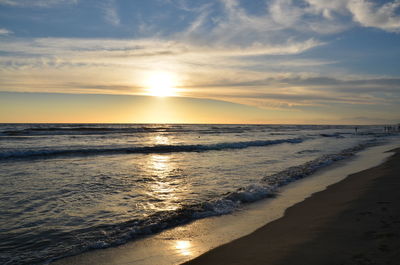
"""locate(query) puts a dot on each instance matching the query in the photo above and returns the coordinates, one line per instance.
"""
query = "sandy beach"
(355, 221)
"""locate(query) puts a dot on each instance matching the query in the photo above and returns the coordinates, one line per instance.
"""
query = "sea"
(70, 188)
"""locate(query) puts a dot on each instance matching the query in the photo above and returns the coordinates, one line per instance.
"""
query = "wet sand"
(355, 221)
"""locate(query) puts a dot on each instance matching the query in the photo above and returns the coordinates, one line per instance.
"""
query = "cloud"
(230, 72)
(329, 9)
(281, 20)
(310, 98)
(49, 65)
(327, 17)
(4, 31)
(365, 13)
(229, 23)
(370, 15)
(286, 13)
(110, 12)
(38, 3)
(296, 90)
(119, 49)
(231, 54)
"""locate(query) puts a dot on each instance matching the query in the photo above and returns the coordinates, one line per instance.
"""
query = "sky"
(216, 61)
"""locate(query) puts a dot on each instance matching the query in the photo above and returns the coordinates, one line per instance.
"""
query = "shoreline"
(184, 243)
(354, 221)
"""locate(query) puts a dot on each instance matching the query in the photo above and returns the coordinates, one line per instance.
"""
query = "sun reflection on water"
(160, 164)
(160, 139)
(164, 190)
(183, 247)
(166, 184)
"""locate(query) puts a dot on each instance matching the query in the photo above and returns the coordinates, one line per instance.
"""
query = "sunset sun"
(161, 84)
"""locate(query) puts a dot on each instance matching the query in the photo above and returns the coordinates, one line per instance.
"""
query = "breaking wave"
(143, 150)
(103, 236)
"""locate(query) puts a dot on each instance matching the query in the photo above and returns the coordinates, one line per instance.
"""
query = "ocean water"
(69, 188)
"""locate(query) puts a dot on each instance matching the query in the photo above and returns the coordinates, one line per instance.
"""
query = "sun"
(161, 84)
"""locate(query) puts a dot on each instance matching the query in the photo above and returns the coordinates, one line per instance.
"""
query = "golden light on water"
(160, 164)
(161, 139)
(162, 188)
(183, 246)
(161, 84)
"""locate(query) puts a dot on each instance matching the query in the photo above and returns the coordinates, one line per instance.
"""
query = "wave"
(108, 235)
(270, 184)
(86, 129)
(104, 129)
(82, 130)
(144, 149)
(335, 135)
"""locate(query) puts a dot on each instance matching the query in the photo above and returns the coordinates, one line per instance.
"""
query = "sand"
(355, 221)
